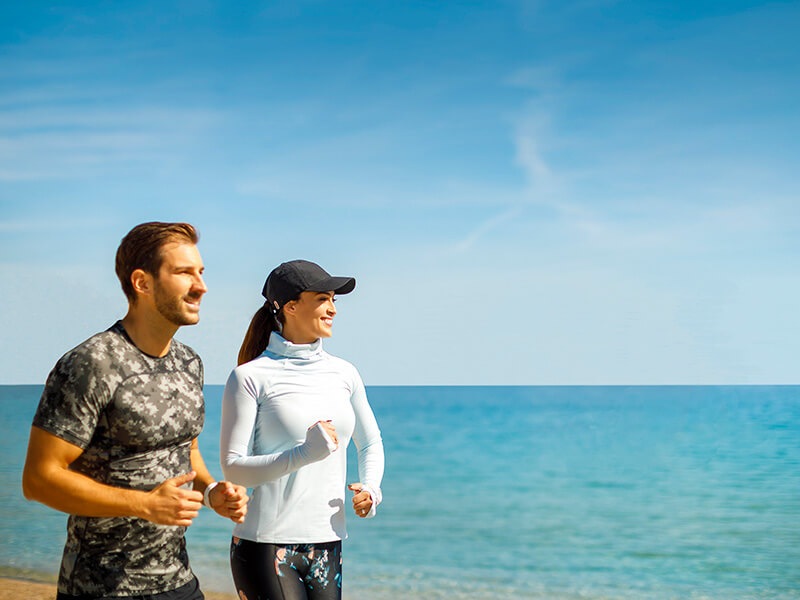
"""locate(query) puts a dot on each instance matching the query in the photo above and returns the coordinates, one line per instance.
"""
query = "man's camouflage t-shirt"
(135, 417)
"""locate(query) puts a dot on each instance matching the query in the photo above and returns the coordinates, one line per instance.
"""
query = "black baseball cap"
(288, 279)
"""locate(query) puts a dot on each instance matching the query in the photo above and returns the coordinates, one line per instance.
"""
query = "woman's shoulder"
(255, 370)
(264, 361)
(345, 367)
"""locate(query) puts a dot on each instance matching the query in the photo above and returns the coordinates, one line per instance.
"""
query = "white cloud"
(34, 226)
(65, 142)
(484, 228)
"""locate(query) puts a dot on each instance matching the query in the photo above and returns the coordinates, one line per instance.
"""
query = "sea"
(555, 493)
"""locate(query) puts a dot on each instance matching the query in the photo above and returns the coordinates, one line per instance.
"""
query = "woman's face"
(309, 318)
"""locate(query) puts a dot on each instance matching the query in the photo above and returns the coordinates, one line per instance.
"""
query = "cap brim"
(338, 285)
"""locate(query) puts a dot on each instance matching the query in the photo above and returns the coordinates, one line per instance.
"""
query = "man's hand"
(48, 479)
(362, 500)
(229, 500)
(170, 504)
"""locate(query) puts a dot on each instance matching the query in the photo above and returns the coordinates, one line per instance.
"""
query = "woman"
(288, 413)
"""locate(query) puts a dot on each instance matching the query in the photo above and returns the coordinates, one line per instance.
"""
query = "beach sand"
(14, 589)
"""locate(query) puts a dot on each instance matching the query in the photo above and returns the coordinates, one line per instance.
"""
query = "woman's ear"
(290, 307)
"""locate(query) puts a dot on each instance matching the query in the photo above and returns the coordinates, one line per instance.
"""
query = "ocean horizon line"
(527, 385)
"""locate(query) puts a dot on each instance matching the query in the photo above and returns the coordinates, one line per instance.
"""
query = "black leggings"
(287, 571)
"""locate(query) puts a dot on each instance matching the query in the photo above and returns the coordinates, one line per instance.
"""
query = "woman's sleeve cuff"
(376, 496)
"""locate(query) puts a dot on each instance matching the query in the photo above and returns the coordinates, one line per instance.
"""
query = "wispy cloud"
(34, 226)
(70, 142)
(114, 115)
(484, 228)
(66, 111)
(642, 169)
(545, 185)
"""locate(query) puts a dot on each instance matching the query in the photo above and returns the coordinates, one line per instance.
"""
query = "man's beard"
(172, 308)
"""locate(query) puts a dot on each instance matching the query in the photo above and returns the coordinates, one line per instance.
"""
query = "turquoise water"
(531, 492)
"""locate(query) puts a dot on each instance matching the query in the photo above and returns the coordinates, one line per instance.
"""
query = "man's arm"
(46, 478)
(225, 498)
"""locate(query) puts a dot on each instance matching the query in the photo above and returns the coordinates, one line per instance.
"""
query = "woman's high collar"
(282, 347)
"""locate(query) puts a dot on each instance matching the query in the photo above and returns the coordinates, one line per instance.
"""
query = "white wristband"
(207, 493)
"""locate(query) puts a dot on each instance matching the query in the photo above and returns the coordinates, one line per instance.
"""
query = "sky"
(527, 192)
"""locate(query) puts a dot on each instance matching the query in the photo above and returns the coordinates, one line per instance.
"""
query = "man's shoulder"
(99, 350)
(184, 351)
(187, 359)
(82, 381)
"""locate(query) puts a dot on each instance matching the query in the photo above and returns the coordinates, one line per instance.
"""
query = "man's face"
(178, 286)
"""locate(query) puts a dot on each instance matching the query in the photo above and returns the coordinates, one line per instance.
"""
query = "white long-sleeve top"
(298, 484)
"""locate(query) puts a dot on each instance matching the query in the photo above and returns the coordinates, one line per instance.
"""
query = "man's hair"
(141, 249)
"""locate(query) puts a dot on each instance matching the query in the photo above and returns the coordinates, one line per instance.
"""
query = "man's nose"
(200, 285)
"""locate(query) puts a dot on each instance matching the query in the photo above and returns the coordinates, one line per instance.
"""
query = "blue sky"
(527, 192)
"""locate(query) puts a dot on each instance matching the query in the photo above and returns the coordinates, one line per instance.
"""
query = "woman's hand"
(229, 500)
(330, 430)
(362, 500)
(321, 440)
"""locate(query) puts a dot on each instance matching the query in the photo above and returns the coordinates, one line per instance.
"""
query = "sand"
(16, 589)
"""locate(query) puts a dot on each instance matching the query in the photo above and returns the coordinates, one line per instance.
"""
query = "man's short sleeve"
(73, 399)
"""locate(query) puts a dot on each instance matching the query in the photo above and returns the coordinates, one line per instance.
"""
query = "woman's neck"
(291, 334)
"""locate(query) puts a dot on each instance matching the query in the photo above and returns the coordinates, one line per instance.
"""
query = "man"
(114, 440)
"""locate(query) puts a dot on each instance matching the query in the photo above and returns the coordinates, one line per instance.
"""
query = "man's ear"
(142, 282)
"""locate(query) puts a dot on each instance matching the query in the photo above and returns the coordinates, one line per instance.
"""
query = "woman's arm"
(239, 414)
(369, 444)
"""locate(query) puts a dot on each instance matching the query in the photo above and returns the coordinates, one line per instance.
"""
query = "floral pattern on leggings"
(264, 571)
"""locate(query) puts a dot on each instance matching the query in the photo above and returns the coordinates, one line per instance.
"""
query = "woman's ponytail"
(264, 322)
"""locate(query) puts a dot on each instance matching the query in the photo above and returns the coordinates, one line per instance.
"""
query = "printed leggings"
(264, 571)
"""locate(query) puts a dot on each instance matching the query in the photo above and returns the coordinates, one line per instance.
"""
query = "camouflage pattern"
(135, 417)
